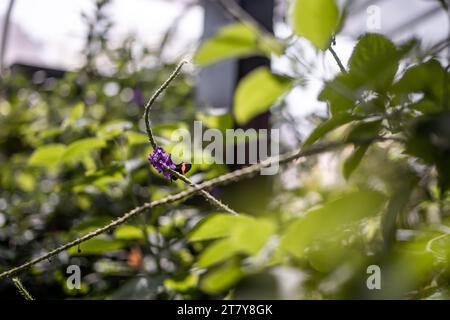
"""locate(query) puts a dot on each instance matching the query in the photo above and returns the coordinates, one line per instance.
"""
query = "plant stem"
(338, 61)
(23, 291)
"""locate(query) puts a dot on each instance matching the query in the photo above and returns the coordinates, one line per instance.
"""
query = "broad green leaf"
(78, 149)
(130, 232)
(428, 139)
(426, 77)
(216, 226)
(353, 161)
(235, 40)
(326, 220)
(362, 130)
(257, 92)
(97, 246)
(77, 113)
(182, 285)
(242, 234)
(316, 20)
(375, 61)
(135, 138)
(329, 125)
(113, 129)
(341, 93)
(221, 122)
(222, 278)
(47, 155)
(216, 252)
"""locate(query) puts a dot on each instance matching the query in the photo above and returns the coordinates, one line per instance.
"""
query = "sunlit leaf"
(77, 149)
(327, 219)
(316, 20)
(257, 92)
(375, 61)
(97, 246)
(329, 125)
(48, 155)
(221, 278)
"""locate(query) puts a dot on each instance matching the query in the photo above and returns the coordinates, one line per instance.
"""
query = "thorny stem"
(22, 290)
(152, 100)
(221, 180)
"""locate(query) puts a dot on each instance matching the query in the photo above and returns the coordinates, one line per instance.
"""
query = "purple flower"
(160, 160)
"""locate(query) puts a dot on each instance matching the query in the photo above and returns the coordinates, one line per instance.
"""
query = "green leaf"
(341, 93)
(235, 40)
(353, 161)
(113, 129)
(329, 125)
(316, 20)
(221, 122)
(222, 278)
(427, 78)
(243, 235)
(78, 149)
(215, 226)
(130, 232)
(257, 92)
(375, 61)
(183, 285)
(77, 113)
(135, 138)
(97, 246)
(326, 220)
(362, 130)
(48, 155)
(216, 252)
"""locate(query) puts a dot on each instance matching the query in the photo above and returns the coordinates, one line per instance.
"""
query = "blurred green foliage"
(73, 157)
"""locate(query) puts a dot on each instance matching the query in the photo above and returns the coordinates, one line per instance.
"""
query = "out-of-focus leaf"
(113, 129)
(221, 278)
(375, 61)
(324, 221)
(135, 138)
(427, 77)
(182, 285)
(362, 130)
(353, 161)
(218, 251)
(77, 113)
(429, 140)
(76, 150)
(245, 234)
(130, 232)
(97, 246)
(257, 92)
(216, 226)
(221, 122)
(316, 20)
(47, 155)
(341, 93)
(236, 40)
(329, 125)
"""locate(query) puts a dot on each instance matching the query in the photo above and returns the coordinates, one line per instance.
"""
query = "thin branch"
(211, 199)
(338, 61)
(221, 180)
(152, 100)
(22, 290)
